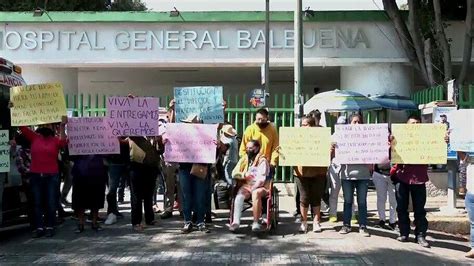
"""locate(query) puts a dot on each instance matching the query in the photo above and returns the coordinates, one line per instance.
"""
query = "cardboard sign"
(362, 144)
(206, 102)
(133, 116)
(37, 104)
(305, 146)
(190, 143)
(91, 135)
(419, 144)
(461, 135)
(4, 152)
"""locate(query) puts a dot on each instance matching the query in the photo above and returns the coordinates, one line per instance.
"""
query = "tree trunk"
(443, 42)
(418, 41)
(428, 62)
(390, 6)
(466, 58)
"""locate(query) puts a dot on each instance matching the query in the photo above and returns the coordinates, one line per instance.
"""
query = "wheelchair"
(270, 205)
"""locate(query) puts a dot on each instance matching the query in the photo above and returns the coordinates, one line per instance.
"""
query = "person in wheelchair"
(250, 174)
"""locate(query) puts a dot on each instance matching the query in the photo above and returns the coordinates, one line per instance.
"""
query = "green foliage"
(72, 5)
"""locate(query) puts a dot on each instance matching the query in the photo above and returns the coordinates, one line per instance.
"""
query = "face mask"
(263, 125)
(251, 154)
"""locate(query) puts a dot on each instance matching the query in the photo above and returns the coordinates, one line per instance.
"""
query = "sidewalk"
(163, 243)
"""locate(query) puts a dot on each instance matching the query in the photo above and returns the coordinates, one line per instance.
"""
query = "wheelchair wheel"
(275, 209)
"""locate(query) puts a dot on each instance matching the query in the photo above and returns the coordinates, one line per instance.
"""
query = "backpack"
(222, 195)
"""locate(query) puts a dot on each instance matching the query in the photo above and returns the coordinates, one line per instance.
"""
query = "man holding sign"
(411, 176)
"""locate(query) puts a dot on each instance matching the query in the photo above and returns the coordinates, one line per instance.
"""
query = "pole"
(298, 67)
(267, 46)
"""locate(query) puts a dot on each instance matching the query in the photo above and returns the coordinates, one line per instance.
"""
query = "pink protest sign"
(91, 135)
(362, 144)
(190, 143)
(137, 116)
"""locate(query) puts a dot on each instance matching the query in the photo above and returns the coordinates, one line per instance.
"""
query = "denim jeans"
(348, 187)
(469, 201)
(116, 172)
(418, 197)
(195, 192)
(44, 188)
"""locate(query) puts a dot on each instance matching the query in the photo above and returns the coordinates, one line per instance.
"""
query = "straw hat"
(229, 130)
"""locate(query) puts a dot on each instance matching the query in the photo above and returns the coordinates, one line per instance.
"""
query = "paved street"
(164, 244)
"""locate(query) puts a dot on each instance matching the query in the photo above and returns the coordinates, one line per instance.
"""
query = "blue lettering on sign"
(206, 102)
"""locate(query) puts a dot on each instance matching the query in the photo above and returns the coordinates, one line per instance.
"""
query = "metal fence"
(239, 113)
(439, 93)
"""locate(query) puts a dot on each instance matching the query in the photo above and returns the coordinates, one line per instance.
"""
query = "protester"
(44, 178)
(334, 180)
(65, 170)
(194, 189)
(117, 170)
(410, 180)
(311, 183)
(354, 177)
(172, 189)
(88, 192)
(23, 164)
(231, 157)
(144, 158)
(385, 187)
(266, 134)
(252, 171)
(469, 200)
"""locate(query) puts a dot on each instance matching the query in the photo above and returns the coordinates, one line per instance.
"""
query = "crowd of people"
(42, 159)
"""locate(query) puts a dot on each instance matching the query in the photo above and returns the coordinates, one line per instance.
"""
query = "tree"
(423, 37)
(72, 5)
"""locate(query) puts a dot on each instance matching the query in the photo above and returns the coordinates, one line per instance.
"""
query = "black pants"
(142, 188)
(418, 197)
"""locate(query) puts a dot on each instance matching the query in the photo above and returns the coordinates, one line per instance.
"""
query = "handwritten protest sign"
(419, 144)
(133, 116)
(362, 144)
(37, 104)
(206, 102)
(4, 152)
(305, 146)
(461, 135)
(91, 135)
(190, 143)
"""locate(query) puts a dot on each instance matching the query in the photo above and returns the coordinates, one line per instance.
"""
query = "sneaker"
(333, 218)
(402, 239)
(422, 241)
(303, 228)
(187, 228)
(111, 219)
(317, 228)
(256, 227)
(166, 215)
(49, 232)
(203, 228)
(364, 232)
(380, 224)
(392, 226)
(38, 233)
(345, 230)
(138, 228)
(234, 227)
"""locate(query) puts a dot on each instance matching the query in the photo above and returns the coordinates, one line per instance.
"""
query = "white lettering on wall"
(148, 40)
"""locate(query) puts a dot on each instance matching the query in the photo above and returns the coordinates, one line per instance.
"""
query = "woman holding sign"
(311, 183)
(44, 171)
(354, 177)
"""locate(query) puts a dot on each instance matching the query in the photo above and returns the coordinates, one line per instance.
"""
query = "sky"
(259, 5)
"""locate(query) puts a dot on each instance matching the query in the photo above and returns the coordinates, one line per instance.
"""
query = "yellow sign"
(419, 144)
(305, 146)
(37, 104)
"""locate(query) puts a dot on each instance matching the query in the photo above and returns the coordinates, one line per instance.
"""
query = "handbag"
(137, 155)
(199, 170)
